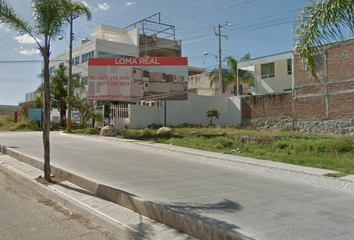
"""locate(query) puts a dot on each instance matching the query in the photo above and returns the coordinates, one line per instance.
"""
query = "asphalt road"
(210, 190)
(26, 214)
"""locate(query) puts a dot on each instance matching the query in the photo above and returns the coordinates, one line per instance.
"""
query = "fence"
(119, 111)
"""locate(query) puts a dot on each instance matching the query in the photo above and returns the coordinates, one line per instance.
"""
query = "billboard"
(152, 78)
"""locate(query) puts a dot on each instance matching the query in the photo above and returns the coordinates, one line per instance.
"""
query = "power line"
(212, 11)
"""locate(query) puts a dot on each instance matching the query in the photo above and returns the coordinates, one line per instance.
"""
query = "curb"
(148, 209)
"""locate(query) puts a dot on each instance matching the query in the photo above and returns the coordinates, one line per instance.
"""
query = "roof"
(265, 59)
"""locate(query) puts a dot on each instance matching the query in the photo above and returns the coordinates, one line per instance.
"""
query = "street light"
(68, 118)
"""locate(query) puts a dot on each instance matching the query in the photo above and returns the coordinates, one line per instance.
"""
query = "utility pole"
(68, 119)
(220, 66)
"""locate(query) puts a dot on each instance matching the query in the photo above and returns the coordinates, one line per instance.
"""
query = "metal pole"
(220, 68)
(238, 84)
(109, 112)
(68, 119)
(164, 113)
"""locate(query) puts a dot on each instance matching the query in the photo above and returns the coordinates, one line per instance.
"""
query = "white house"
(273, 74)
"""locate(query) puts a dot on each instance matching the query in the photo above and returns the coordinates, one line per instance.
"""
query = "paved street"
(211, 190)
(26, 214)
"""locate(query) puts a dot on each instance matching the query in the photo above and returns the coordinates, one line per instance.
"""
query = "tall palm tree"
(321, 22)
(49, 23)
(229, 74)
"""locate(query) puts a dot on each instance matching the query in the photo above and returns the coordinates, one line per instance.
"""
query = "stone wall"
(333, 126)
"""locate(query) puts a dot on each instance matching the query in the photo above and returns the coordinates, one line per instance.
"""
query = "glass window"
(86, 56)
(290, 66)
(51, 70)
(76, 61)
(267, 70)
(84, 80)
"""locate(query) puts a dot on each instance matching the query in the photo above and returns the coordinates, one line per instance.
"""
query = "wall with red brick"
(310, 108)
(341, 86)
(341, 105)
(271, 105)
(339, 66)
(310, 90)
(252, 107)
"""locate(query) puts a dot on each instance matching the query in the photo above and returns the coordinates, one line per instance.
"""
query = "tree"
(96, 116)
(59, 89)
(229, 74)
(243, 75)
(211, 113)
(318, 23)
(49, 22)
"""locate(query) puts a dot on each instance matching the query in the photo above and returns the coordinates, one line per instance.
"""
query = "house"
(273, 74)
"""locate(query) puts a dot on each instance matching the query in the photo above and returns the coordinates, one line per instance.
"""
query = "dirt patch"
(52, 181)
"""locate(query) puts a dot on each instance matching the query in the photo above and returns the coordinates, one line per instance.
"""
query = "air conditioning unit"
(146, 75)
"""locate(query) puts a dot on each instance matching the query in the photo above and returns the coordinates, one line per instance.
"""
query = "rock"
(193, 133)
(165, 129)
(109, 131)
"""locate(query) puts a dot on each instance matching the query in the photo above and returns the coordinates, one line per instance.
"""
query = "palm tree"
(229, 74)
(59, 89)
(49, 23)
(318, 23)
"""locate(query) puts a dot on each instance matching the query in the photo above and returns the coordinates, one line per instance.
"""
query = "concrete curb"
(148, 209)
(115, 227)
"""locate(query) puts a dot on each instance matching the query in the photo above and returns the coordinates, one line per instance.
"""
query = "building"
(273, 74)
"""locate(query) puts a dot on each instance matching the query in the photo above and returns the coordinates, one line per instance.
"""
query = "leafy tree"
(49, 22)
(211, 113)
(229, 74)
(318, 23)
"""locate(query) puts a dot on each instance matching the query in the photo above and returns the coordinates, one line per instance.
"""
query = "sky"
(258, 27)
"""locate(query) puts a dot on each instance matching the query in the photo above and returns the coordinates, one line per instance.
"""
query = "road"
(26, 214)
(210, 190)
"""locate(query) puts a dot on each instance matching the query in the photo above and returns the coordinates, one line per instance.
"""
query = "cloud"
(130, 3)
(3, 27)
(26, 39)
(103, 6)
(29, 51)
(86, 5)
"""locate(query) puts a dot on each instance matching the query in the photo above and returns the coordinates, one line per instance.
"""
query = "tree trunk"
(62, 114)
(46, 125)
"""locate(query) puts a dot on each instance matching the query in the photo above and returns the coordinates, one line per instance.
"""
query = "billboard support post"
(109, 112)
(164, 113)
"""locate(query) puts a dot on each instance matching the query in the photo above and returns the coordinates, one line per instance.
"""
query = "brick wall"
(271, 105)
(330, 97)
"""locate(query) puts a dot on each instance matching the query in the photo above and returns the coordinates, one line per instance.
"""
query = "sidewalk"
(121, 221)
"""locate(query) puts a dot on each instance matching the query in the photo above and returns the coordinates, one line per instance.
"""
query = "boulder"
(109, 131)
(165, 129)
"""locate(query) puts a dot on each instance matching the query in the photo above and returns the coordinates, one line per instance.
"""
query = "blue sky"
(259, 27)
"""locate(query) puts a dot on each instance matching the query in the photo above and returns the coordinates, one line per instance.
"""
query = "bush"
(155, 126)
(94, 131)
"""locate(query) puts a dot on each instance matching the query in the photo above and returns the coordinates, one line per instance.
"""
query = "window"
(267, 70)
(110, 55)
(51, 70)
(290, 67)
(86, 56)
(84, 80)
(76, 61)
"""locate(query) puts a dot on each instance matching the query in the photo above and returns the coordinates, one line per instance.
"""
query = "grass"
(315, 150)
(8, 124)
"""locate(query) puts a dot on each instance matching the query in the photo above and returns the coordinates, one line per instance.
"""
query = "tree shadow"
(199, 211)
